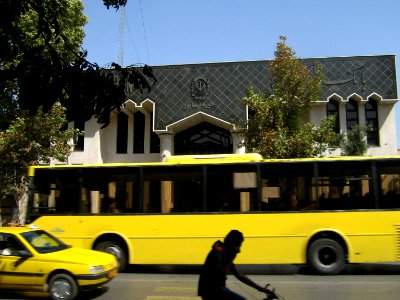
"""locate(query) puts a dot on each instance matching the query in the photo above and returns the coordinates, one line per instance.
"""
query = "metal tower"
(121, 36)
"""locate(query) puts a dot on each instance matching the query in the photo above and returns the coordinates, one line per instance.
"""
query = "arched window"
(371, 119)
(138, 132)
(351, 114)
(332, 109)
(154, 140)
(122, 133)
(79, 140)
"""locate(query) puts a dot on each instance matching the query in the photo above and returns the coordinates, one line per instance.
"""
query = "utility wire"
(132, 41)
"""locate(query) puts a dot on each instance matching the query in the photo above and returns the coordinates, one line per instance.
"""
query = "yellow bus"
(323, 212)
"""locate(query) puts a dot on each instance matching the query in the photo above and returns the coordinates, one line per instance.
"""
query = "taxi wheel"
(115, 249)
(63, 286)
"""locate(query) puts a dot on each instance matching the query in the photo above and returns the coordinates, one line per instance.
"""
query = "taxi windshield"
(43, 242)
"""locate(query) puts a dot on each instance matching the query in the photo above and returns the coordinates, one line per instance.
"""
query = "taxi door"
(19, 268)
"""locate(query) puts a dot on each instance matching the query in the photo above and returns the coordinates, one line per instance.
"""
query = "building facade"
(192, 109)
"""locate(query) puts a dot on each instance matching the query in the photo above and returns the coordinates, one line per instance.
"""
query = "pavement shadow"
(278, 269)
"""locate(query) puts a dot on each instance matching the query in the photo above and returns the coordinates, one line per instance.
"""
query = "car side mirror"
(24, 253)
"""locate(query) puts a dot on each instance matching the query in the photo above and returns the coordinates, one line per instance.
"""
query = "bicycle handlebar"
(271, 294)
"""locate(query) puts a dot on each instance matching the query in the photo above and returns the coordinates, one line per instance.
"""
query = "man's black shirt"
(213, 274)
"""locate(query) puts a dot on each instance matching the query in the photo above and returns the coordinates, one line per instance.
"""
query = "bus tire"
(63, 286)
(115, 249)
(326, 257)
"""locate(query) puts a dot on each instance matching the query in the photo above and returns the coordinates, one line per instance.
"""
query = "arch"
(335, 97)
(355, 97)
(195, 119)
(145, 106)
(378, 98)
(203, 138)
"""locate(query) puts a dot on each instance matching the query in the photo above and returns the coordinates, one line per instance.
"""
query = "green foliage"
(354, 143)
(114, 3)
(41, 63)
(32, 140)
(292, 83)
(43, 66)
(278, 124)
(37, 40)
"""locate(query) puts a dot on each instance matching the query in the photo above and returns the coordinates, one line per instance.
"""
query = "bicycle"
(271, 295)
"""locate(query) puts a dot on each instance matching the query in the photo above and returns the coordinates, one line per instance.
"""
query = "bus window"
(389, 184)
(55, 191)
(344, 187)
(390, 188)
(172, 189)
(242, 182)
(89, 190)
(231, 188)
(287, 186)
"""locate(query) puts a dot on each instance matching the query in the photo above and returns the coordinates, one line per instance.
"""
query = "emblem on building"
(199, 89)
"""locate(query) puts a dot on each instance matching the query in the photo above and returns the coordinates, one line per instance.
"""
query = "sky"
(169, 32)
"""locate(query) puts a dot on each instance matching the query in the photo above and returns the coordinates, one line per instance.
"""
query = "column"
(342, 116)
(237, 139)
(166, 144)
(166, 149)
(361, 114)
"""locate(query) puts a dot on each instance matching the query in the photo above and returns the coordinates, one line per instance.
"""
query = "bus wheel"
(115, 249)
(63, 286)
(326, 257)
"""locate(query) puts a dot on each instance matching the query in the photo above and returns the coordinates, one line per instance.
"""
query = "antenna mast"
(121, 36)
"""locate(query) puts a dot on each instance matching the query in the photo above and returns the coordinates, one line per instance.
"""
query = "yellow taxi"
(31, 259)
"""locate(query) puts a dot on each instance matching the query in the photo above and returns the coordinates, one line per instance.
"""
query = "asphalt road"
(292, 283)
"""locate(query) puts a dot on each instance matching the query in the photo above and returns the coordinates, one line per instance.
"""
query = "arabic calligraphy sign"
(349, 76)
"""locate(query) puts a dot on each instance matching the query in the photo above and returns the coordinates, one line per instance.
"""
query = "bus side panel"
(373, 248)
(270, 238)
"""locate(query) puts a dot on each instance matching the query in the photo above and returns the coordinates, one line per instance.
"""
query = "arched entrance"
(204, 138)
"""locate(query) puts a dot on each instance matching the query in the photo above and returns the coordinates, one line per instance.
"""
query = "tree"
(42, 70)
(354, 143)
(41, 62)
(36, 39)
(30, 141)
(115, 3)
(277, 125)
